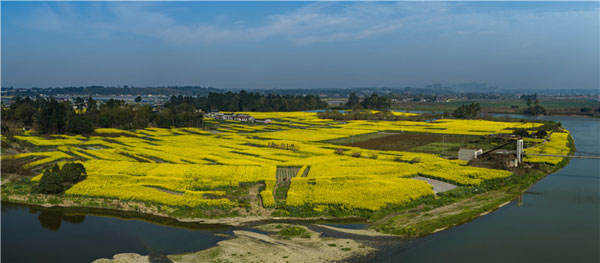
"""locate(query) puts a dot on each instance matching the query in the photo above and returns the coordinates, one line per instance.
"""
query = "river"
(556, 220)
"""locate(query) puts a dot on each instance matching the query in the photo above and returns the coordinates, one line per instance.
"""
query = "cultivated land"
(297, 166)
(554, 106)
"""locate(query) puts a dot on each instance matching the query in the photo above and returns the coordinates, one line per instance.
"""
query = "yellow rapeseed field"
(179, 167)
(557, 144)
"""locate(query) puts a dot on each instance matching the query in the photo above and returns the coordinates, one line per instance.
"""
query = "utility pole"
(443, 144)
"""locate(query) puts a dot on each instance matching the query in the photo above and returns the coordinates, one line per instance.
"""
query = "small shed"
(468, 154)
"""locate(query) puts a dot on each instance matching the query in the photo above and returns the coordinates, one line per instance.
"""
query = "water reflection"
(62, 234)
(51, 220)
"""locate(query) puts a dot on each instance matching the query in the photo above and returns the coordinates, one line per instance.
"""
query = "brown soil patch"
(405, 141)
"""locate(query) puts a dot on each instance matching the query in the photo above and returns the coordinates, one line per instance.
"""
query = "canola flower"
(178, 167)
(45, 157)
(557, 144)
(353, 192)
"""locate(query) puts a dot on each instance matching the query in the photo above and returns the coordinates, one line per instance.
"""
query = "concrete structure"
(520, 151)
(468, 154)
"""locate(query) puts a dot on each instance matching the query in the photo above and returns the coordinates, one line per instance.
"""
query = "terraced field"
(196, 168)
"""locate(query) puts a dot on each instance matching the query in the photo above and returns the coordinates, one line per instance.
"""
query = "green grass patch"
(294, 231)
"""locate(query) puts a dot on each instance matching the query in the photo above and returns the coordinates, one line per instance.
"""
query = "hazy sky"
(548, 45)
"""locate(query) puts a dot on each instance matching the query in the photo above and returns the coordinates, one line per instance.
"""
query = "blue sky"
(541, 45)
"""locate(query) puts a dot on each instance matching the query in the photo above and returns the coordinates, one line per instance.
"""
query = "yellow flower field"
(179, 167)
(557, 144)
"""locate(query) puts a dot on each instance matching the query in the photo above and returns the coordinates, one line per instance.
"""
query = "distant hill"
(432, 89)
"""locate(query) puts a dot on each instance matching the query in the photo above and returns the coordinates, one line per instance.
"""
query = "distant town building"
(468, 154)
(229, 116)
(263, 120)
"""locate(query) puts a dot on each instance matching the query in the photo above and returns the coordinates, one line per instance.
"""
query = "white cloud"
(309, 24)
(313, 23)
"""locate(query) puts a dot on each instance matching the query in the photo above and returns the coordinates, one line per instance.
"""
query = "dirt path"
(256, 207)
(438, 186)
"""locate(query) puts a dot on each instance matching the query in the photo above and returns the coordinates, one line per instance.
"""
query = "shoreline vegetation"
(20, 194)
(495, 199)
(296, 168)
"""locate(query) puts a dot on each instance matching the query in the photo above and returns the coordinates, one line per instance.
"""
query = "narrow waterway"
(557, 220)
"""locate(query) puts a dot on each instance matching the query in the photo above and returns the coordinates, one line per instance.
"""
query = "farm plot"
(190, 167)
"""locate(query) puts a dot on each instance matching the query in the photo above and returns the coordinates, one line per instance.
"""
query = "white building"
(468, 154)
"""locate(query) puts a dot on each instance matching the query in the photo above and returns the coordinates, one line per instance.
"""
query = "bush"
(73, 172)
(56, 180)
(293, 231)
(51, 182)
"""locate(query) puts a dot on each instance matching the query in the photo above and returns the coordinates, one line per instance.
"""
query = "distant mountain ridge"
(432, 89)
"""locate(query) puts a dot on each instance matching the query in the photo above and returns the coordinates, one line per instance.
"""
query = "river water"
(556, 220)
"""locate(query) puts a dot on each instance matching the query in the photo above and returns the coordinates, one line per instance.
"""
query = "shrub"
(73, 172)
(51, 182)
(292, 231)
(56, 180)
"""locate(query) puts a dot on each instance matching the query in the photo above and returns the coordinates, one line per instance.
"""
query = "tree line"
(374, 102)
(50, 116)
(82, 116)
(359, 115)
(250, 101)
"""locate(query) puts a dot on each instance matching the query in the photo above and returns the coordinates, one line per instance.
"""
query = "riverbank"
(274, 243)
(462, 205)
(422, 217)
(141, 208)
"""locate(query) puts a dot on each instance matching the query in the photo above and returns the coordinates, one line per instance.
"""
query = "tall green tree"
(467, 111)
(52, 116)
(352, 100)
